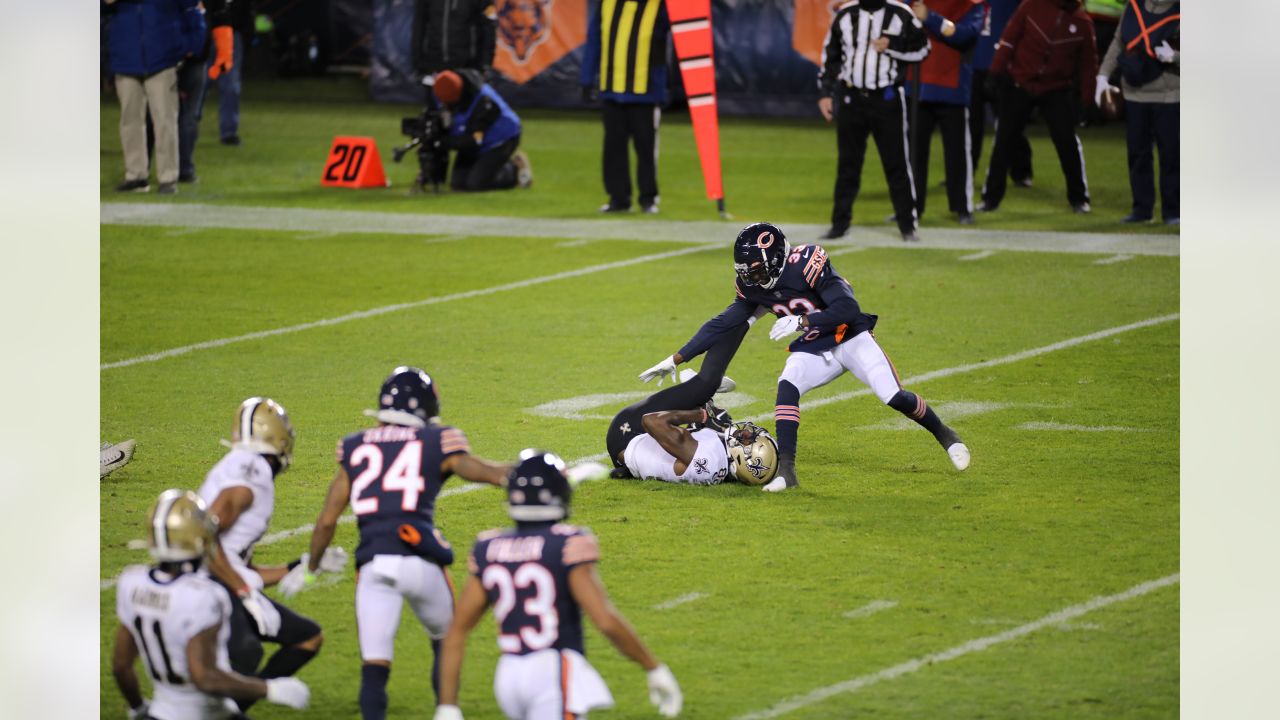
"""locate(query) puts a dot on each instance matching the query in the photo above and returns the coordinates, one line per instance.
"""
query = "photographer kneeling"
(485, 132)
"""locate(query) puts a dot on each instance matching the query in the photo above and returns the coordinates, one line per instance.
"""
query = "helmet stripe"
(246, 421)
(160, 524)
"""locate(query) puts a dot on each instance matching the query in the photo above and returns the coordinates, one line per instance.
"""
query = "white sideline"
(674, 602)
(374, 312)
(1007, 359)
(976, 645)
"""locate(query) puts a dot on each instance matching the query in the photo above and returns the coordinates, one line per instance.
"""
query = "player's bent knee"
(313, 643)
(903, 401)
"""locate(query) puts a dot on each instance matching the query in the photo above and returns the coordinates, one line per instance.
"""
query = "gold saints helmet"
(753, 453)
(179, 527)
(262, 426)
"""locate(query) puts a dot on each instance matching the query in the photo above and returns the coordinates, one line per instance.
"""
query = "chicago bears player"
(801, 287)
(391, 475)
(178, 620)
(540, 577)
(240, 493)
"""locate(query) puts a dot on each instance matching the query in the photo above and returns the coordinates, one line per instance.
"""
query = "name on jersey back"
(514, 549)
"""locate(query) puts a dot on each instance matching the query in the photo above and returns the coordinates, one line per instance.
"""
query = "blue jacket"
(997, 18)
(946, 76)
(147, 36)
(489, 115)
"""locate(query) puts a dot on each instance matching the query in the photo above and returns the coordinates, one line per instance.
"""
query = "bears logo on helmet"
(537, 489)
(759, 254)
(408, 397)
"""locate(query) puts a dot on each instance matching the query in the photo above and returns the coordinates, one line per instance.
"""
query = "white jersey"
(645, 458)
(248, 469)
(163, 613)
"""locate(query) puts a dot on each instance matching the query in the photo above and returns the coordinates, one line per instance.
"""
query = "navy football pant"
(1148, 124)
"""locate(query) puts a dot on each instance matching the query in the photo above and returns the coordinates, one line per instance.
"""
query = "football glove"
(785, 325)
(664, 692)
(1104, 86)
(1164, 52)
(264, 614)
(661, 371)
(296, 579)
(288, 691)
(223, 54)
(140, 712)
(583, 472)
(448, 712)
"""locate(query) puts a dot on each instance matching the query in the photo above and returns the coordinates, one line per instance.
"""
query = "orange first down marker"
(353, 162)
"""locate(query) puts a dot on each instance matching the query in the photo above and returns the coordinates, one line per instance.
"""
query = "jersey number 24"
(404, 475)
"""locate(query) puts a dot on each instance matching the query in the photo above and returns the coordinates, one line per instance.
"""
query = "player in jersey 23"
(540, 577)
(391, 475)
(802, 288)
(177, 620)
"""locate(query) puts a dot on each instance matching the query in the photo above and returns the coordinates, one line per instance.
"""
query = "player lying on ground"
(540, 577)
(178, 620)
(803, 289)
(391, 475)
(240, 492)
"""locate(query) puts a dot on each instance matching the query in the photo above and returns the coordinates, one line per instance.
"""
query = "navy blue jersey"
(525, 573)
(395, 478)
(810, 286)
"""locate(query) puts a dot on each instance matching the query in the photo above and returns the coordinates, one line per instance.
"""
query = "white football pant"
(385, 583)
(861, 356)
(549, 685)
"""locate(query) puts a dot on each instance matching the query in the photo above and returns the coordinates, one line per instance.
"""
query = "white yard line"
(1113, 260)
(1053, 426)
(977, 256)
(674, 602)
(374, 312)
(871, 608)
(977, 645)
(1007, 359)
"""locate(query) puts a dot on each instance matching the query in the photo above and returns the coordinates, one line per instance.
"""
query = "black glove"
(994, 85)
(589, 94)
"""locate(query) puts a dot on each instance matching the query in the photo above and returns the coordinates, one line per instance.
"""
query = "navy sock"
(373, 691)
(914, 407)
(435, 669)
(786, 418)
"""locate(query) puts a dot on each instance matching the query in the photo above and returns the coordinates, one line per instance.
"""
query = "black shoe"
(1134, 218)
(187, 177)
(1083, 208)
(718, 418)
(231, 140)
(1172, 221)
(1023, 183)
(892, 219)
(133, 186)
(984, 206)
(835, 232)
(965, 218)
(910, 237)
(611, 208)
(787, 470)
(620, 473)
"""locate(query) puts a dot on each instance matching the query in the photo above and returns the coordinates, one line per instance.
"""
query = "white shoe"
(524, 169)
(959, 455)
(114, 457)
(726, 383)
(777, 484)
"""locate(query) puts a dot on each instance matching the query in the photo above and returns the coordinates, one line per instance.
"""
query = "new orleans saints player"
(240, 493)
(701, 454)
(178, 621)
(801, 287)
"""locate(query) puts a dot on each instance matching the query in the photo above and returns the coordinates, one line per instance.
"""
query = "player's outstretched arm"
(471, 606)
(327, 522)
(666, 428)
(202, 662)
(479, 470)
(122, 658)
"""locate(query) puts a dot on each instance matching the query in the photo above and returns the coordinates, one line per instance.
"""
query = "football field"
(1041, 582)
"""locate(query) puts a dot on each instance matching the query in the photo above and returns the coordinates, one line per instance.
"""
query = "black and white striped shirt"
(847, 56)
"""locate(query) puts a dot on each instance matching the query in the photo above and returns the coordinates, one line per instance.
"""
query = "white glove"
(140, 712)
(448, 712)
(1165, 53)
(1104, 85)
(263, 613)
(334, 560)
(583, 472)
(297, 578)
(661, 371)
(786, 325)
(289, 691)
(664, 692)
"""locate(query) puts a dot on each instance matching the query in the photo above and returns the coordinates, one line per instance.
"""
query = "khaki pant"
(158, 93)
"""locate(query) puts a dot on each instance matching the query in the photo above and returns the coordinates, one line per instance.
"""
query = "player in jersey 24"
(177, 620)
(802, 288)
(240, 492)
(540, 577)
(391, 475)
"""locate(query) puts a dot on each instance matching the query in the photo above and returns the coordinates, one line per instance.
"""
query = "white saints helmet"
(753, 453)
(262, 426)
(179, 527)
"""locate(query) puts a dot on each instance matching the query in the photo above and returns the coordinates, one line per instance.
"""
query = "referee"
(860, 79)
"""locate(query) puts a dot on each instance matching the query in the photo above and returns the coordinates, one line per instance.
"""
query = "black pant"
(637, 123)
(683, 396)
(1020, 158)
(1150, 123)
(191, 81)
(952, 120)
(885, 119)
(1059, 112)
(244, 646)
(475, 170)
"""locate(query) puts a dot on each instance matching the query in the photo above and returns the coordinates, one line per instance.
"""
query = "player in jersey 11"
(540, 577)
(391, 475)
(240, 492)
(800, 286)
(178, 621)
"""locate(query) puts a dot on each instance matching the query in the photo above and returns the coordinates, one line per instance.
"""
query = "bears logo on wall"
(535, 34)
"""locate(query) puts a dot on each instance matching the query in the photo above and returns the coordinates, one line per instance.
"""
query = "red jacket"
(1049, 45)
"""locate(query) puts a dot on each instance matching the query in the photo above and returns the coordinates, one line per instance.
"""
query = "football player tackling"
(540, 577)
(801, 287)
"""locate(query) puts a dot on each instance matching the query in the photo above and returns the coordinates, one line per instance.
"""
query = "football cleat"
(408, 397)
(262, 426)
(537, 489)
(726, 383)
(759, 255)
(786, 475)
(179, 528)
(753, 453)
(112, 457)
(959, 454)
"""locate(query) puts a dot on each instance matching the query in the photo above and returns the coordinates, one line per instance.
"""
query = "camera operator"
(484, 131)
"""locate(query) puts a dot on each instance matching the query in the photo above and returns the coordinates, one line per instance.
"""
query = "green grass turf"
(782, 170)
(1041, 521)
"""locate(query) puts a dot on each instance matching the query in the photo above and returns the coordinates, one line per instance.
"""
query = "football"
(1112, 104)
